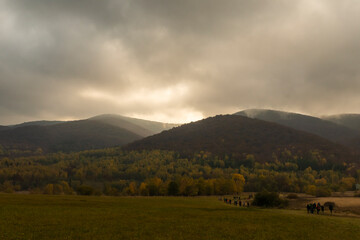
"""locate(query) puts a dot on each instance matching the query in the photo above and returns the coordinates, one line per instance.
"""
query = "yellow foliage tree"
(49, 189)
(320, 182)
(132, 188)
(143, 189)
(239, 182)
(347, 183)
(311, 189)
(66, 188)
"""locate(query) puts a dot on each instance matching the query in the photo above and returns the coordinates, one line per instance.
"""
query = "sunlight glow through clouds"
(172, 59)
(164, 98)
(172, 116)
(148, 96)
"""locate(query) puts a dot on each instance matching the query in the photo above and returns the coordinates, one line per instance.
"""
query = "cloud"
(171, 60)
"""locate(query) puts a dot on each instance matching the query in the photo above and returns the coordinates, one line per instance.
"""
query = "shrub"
(85, 190)
(323, 192)
(269, 199)
(49, 189)
(292, 196)
(327, 204)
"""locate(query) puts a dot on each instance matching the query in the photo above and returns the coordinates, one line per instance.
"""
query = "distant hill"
(69, 136)
(348, 120)
(324, 128)
(3, 127)
(35, 123)
(236, 136)
(97, 132)
(139, 126)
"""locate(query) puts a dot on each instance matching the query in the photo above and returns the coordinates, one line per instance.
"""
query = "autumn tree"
(239, 182)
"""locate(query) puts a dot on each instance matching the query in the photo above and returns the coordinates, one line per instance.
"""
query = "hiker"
(240, 203)
(331, 208)
(308, 208)
(230, 201)
(322, 209)
(318, 208)
(248, 204)
(311, 208)
(235, 202)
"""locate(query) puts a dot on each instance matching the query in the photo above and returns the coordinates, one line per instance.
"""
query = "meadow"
(89, 217)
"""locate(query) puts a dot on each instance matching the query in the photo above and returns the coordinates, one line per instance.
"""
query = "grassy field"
(77, 217)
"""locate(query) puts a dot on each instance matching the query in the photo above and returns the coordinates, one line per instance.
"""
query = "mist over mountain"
(349, 120)
(96, 132)
(330, 130)
(139, 126)
(3, 127)
(35, 123)
(237, 136)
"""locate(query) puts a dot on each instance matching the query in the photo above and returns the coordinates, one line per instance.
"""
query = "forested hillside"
(331, 130)
(235, 136)
(3, 127)
(349, 120)
(70, 136)
(219, 155)
(94, 133)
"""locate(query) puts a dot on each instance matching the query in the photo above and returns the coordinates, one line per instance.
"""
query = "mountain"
(35, 123)
(237, 136)
(348, 120)
(323, 128)
(141, 127)
(97, 132)
(69, 136)
(3, 127)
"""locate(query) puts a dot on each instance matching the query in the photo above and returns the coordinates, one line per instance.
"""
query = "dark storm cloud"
(176, 60)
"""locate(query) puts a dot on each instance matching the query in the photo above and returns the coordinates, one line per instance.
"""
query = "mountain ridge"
(238, 135)
(323, 128)
(96, 132)
(350, 120)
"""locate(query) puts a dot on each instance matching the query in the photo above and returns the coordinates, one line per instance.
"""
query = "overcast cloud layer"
(177, 61)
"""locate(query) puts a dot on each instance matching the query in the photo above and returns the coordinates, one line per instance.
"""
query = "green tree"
(173, 188)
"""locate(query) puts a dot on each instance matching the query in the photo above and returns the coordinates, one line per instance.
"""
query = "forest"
(117, 172)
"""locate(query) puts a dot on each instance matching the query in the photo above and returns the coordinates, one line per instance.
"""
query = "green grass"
(78, 217)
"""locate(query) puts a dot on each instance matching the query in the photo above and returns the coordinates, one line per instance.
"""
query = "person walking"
(331, 208)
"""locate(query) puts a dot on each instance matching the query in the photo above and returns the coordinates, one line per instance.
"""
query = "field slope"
(76, 217)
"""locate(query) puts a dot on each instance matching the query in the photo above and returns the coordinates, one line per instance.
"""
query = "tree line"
(114, 171)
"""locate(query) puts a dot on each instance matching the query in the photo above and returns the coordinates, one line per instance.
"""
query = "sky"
(177, 61)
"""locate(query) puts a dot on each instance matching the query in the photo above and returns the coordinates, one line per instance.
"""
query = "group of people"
(312, 207)
(236, 202)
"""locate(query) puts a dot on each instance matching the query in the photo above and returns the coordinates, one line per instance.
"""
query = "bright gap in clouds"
(160, 104)
(176, 116)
